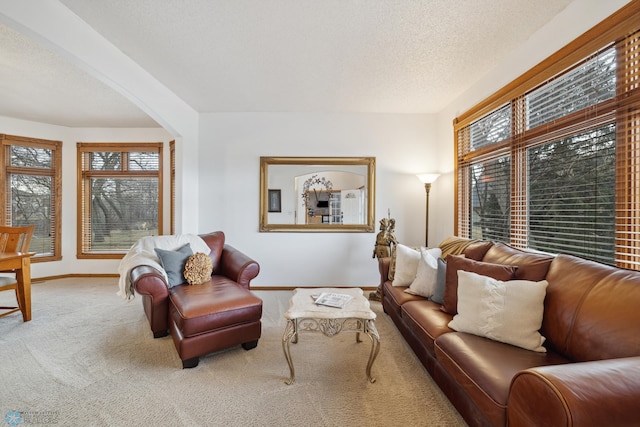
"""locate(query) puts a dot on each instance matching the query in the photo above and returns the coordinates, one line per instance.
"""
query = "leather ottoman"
(213, 316)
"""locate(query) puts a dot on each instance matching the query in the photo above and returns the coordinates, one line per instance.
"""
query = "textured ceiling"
(386, 56)
(38, 85)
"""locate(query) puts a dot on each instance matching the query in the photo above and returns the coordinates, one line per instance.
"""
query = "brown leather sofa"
(208, 317)
(590, 374)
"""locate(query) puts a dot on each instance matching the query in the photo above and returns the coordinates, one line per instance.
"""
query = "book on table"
(332, 299)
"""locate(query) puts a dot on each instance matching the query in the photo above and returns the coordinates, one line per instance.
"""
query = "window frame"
(615, 31)
(82, 175)
(55, 172)
(172, 184)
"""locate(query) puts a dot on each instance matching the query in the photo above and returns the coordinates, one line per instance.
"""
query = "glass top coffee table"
(304, 315)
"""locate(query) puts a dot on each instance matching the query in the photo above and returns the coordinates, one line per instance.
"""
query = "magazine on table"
(331, 299)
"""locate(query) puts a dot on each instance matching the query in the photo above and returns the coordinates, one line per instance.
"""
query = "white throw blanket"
(142, 253)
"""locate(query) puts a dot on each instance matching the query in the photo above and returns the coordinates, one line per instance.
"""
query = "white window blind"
(490, 199)
(492, 128)
(588, 84)
(572, 195)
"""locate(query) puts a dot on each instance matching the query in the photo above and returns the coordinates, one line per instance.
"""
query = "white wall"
(229, 173)
(69, 137)
(230, 150)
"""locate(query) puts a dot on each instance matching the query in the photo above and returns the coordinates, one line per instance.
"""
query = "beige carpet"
(88, 359)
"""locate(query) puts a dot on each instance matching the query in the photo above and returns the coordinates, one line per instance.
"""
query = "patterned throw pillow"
(198, 269)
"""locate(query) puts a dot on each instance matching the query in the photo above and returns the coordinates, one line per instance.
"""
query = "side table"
(305, 316)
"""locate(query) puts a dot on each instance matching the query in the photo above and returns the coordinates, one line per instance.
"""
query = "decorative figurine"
(385, 240)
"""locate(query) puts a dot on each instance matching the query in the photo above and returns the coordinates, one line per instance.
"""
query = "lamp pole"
(427, 179)
(427, 187)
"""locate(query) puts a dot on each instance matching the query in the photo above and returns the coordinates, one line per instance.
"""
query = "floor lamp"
(427, 179)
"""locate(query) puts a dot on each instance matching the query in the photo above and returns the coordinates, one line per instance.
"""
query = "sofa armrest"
(237, 266)
(148, 280)
(604, 392)
(151, 284)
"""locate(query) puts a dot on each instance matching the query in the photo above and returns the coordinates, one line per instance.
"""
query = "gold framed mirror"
(317, 194)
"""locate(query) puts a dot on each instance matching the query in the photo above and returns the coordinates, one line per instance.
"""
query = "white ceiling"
(378, 56)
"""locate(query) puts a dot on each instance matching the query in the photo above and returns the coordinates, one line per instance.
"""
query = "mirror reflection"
(317, 194)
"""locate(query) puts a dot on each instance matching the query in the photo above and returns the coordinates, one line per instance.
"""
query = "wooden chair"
(13, 239)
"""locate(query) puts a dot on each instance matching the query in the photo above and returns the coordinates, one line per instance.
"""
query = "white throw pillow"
(406, 265)
(509, 312)
(427, 275)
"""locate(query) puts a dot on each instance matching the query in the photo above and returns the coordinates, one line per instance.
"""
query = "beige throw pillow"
(509, 312)
(424, 283)
(406, 265)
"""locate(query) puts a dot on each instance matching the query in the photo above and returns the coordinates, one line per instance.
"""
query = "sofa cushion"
(427, 274)
(509, 312)
(426, 321)
(592, 310)
(570, 280)
(457, 262)
(173, 263)
(477, 250)
(472, 248)
(531, 265)
(483, 368)
(396, 297)
(215, 241)
(216, 304)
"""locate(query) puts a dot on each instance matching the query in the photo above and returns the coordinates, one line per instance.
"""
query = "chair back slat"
(15, 239)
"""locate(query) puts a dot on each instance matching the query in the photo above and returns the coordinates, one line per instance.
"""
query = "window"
(572, 195)
(586, 85)
(550, 162)
(492, 128)
(31, 181)
(119, 196)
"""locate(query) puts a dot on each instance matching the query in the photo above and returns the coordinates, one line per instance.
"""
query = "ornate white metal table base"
(329, 322)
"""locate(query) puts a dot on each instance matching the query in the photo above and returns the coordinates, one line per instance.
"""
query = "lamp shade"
(427, 178)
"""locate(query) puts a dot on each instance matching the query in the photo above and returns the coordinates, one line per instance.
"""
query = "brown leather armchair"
(190, 312)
